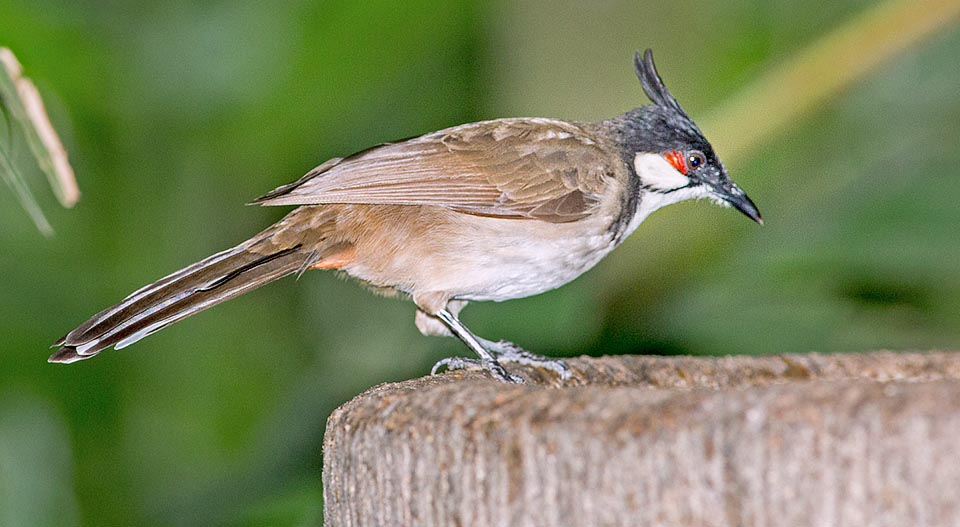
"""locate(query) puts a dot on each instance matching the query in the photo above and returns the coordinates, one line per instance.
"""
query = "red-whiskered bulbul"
(493, 210)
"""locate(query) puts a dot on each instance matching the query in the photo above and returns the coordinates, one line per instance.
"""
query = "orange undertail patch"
(337, 260)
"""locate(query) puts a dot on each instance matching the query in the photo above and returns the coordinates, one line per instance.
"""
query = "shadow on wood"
(866, 439)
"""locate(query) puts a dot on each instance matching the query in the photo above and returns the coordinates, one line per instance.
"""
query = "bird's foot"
(463, 363)
(506, 351)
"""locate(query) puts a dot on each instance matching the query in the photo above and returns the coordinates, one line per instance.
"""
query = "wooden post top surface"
(637, 440)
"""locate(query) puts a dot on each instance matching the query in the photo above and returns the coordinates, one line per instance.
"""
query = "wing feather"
(524, 168)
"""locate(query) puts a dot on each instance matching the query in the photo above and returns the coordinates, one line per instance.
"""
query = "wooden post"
(860, 440)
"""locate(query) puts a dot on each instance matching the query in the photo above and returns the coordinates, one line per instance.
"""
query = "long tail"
(188, 291)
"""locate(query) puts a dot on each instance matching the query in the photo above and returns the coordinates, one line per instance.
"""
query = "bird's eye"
(696, 160)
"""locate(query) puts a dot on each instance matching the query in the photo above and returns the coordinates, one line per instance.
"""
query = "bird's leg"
(506, 351)
(487, 359)
(492, 354)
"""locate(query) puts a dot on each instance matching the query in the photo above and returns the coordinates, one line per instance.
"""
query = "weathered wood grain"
(865, 439)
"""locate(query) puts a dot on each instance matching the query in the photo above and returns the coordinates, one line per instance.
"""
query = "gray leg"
(487, 359)
(492, 354)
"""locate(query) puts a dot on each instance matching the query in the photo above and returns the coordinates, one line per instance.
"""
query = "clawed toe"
(505, 352)
(455, 363)
(502, 375)
(461, 363)
(509, 352)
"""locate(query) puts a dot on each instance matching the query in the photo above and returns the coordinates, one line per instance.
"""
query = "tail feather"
(188, 291)
(145, 296)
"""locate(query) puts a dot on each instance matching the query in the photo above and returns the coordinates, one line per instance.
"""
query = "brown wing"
(523, 168)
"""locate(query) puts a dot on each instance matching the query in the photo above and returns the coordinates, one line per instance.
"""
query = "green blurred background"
(176, 113)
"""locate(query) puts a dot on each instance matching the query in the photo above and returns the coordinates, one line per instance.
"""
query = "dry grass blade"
(12, 177)
(21, 102)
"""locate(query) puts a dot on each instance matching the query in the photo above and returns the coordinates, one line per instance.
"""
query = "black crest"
(652, 83)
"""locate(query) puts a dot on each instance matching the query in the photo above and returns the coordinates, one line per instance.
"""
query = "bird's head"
(672, 159)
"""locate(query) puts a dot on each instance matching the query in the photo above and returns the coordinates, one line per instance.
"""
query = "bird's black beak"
(737, 198)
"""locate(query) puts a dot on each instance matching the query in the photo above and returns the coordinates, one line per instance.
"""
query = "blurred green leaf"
(36, 465)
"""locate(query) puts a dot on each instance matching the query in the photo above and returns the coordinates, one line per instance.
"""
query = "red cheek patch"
(676, 159)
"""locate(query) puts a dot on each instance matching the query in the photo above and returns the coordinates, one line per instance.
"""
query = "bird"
(487, 211)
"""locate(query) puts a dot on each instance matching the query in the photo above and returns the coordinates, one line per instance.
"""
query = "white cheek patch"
(657, 173)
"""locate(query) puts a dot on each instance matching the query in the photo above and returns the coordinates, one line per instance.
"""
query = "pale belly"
(482, 258)
(525, 265)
